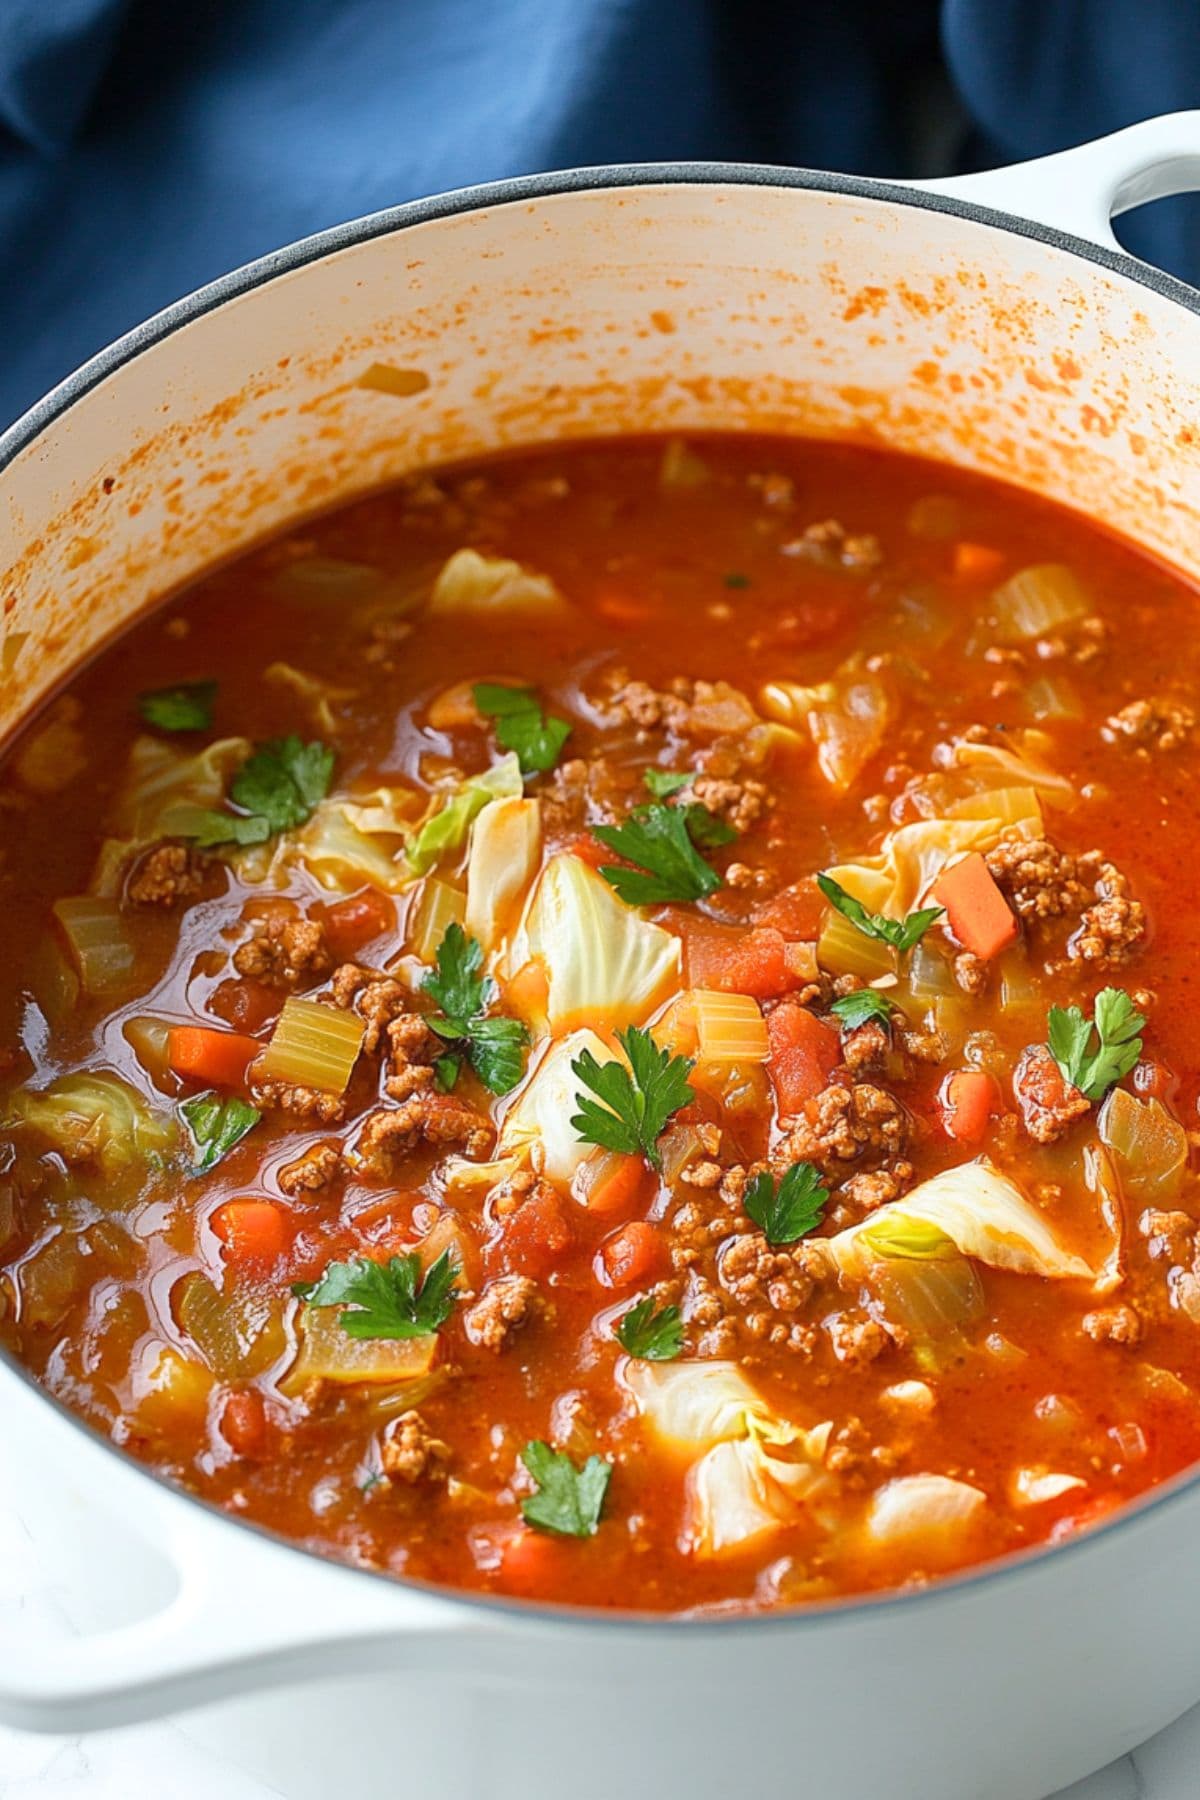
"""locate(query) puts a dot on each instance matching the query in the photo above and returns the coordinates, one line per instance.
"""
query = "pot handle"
(247, 1614)
(1081, 191)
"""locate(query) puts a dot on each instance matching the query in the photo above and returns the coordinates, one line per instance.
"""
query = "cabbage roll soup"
(618, 1025)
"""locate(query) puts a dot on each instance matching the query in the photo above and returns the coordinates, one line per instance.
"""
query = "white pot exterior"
(756, 301)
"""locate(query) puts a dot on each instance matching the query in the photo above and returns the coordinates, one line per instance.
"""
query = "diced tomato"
(536, 1236)
(252, 1231)
(630, 1256)
(247, 1005)
(530, 1561)
(612, 1182)
(976, 910)
(199, 1053)
(735, 959)
(804, 1053)
(798, 911)
(968, 1099)
(355, 921)
(244, 1422)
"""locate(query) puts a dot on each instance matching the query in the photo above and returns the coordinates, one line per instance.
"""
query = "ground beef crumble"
(843, 1124)
(409, 1452)
(307, 1104)
(1041, 882)
(309, 1173)
(856, 1338)
(1155, 724)
(1113, 1325)
(167, 875)
(440, 1120)
(374, 996)
(284, 953)
(504, 1305)
(1049, 1104)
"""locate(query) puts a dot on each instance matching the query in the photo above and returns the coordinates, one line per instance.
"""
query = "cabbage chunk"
(446, 827)
(506, 843)
(932, 1512)
(757, 1470)
(160, 777)
(537, 1126)
(974, 1208)
(349, 839)
(847, 719)
(95, 1118)
(604, 963)
(470, 584)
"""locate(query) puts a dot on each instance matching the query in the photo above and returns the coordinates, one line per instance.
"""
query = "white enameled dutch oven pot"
(564, 306)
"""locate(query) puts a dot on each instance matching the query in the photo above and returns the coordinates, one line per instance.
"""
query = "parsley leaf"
(279, 786)
(665, 782)
(188, 707)
(865, 1003)
(786, 1212)
(446, 1071)
(386, 1300)
(659, 839)
(521, 725)
(901, 934)
(216, 1125)
(637, 1101)
(654, 1336)
(1116, 1025)
(568, 1500)
(494, 1046)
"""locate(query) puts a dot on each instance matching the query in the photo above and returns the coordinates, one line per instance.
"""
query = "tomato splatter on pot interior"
(620, 1025)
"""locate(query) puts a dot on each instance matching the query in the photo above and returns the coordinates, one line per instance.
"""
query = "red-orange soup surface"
(866, 1251)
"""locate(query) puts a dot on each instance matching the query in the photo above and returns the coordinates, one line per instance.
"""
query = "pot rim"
(32, 424)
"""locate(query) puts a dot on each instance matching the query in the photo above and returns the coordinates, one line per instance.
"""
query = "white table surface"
(161, 1761)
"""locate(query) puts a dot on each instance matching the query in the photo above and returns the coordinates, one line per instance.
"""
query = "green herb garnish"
(665, 782)
(493, 1046)
(653, 1336)
(735, 579)
(521, 725)
(277, 788)
(216, 1125)
(637, 1101)
(386, 1300)
(662, 840)
(1115, 1025)
(569, 1500)
(790, 1210)
(188, 707)
(865, 1003)
(901, 934)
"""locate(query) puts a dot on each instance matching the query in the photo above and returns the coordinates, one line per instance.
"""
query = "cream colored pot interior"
(672, 305)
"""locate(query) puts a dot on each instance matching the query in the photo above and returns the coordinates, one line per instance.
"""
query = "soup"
(618, 1025)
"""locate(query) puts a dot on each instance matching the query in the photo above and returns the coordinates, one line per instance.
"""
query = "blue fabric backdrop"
(146, 147)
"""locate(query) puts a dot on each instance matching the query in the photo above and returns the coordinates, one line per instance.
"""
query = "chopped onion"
(1149, 1145)
(238, 1335)
(328, 1354)
(1037, 601)
(96, 933)
(313, 1045)
(1034, 1487)
(1053, 697)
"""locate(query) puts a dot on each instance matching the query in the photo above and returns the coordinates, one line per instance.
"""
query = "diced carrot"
(977, 562)
(622, 609)
(355, 921)
(612, 1182)
(536, 1236)
(976, 910)
(967, 1100)
(631, 1255)
(199, 1053)
(251, 1230)
(244, 1422)
(804, 1054)
(735, 960)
